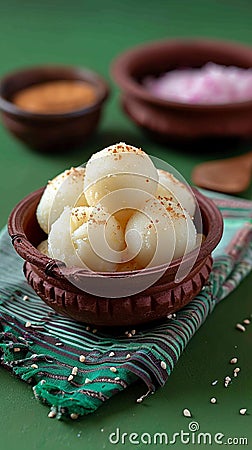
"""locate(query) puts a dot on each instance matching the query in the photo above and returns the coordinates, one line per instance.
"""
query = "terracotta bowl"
(52, 132)
(52, 280)
(174, 120)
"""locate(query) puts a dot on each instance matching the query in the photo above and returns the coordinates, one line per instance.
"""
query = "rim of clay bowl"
(122, 65)
(25, 210)
(79, 74)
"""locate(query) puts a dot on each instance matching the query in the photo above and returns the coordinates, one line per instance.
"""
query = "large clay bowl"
(52, 280)
(167, 120)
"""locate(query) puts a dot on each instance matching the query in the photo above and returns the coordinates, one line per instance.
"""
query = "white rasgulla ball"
(124, 167)
(162, 231)
(94, 239)
(64, 190)
(170, 187)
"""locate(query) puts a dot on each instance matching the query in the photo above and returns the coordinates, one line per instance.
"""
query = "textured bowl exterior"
(51, 132)
(173, 120)
(52, 280)
(134, 310)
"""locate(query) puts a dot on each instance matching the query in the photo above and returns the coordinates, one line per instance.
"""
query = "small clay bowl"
(51, 280)
(51, 132)
(170, 120)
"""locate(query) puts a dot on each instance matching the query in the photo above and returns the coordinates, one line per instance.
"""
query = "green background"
(92, 34)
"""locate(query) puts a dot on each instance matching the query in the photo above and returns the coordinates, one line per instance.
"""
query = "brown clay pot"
(52, 132)
(52, 280)
(166, 120)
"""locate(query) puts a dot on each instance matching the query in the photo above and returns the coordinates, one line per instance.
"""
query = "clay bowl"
(170, 120)
(55, 283)
(52, 132)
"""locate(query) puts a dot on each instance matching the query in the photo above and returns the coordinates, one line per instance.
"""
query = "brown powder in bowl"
(55, 97)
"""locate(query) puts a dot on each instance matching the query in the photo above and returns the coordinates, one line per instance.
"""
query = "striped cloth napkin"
(74, 369)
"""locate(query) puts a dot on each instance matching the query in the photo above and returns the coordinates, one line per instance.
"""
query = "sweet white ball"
(87, 237)
(122, 170)
(64, 190)
(170, 187)
(162, 231)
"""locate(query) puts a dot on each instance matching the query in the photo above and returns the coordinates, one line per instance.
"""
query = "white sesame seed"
(87, 328)
(70, 378)
(34, 366)
(82, 358)
(51, 414)
(163, 365)
(28, 324)
(126, 332)
(233, 360)
(74, 370)
(214, 382)
(112, 354)
(94, 330)
(213, 400)
(243, 411)
(113, 369)
(128, 356)
(246, 321)
(129, 335)
(117, 378)
(187, 413)
(169, 316)
(139, 400)
(87, 381)
(133, 332)
(17, 349)
(227, 381)
(59, 344)
(240, 327)
(25, 298)
(237, 370)
(74, 416)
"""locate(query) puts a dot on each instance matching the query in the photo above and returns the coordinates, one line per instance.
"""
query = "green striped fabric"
(74, 369)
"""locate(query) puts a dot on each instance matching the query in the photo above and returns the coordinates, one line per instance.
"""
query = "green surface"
(92, 33)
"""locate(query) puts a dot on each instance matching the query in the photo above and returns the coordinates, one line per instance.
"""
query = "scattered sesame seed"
(187, 413)
(74, 370)
(87, 328)
(233, 360)
(70, 378)
(74, 416)
(51, 414)
(169, 316)
(163, 365)
(117, 378)
(236, 371)
(246, 321)
(59, 344)
(240, 327)
(129, 335)
(214, 382)
(113, 369)
(128, 356)
(34, 366)
(94, 330)
(133, 332)
(243, 411)
(213, 400)
(28, 324)
(112, 354)
(25, 298)
(126, 332)
(82, 358)
(17, 349)
(87, 381)
(227, 381)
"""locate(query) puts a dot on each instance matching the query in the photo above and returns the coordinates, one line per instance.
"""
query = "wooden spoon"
(231, 175)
